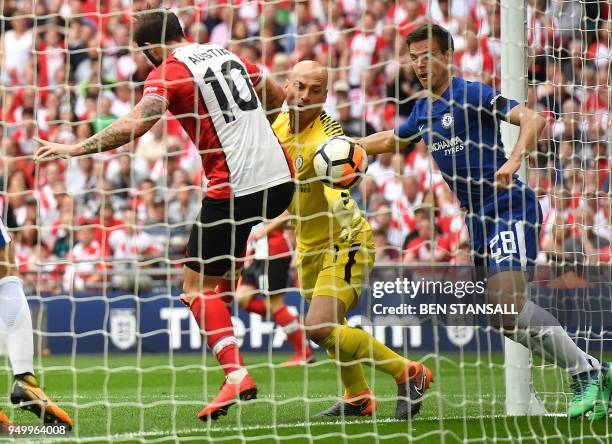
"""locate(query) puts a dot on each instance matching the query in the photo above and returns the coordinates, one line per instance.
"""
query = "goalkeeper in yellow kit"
(335, 252)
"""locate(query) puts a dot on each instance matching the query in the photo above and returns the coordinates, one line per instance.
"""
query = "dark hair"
(159, 26)
(438, 33)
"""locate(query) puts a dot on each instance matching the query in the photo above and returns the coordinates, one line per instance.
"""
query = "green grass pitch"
(156, 398)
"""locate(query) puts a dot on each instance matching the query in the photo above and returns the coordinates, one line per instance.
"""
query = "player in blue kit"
(16, 329)
(460, 123)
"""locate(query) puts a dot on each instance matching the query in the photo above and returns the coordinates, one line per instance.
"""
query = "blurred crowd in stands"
(68, 70)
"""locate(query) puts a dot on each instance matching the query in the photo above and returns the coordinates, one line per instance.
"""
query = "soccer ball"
(340, 162)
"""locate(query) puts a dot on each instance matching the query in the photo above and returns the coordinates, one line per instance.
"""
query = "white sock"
(522, 337)
(16, 322)
(544, 332)
(236, 376)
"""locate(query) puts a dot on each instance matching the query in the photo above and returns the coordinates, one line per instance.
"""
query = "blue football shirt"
(462, 132)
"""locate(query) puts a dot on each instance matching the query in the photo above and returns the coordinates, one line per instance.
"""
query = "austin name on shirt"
(209, 54)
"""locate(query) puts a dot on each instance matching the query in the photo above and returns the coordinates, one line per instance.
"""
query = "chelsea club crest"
(447, 120)
(299, 162)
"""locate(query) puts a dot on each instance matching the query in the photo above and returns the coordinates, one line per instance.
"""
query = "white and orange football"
(340, 162)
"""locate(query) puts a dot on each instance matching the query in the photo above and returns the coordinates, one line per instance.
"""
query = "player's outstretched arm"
(531, 124)
(277, 222)
(383, 142)
(129, 127)
(272, 97)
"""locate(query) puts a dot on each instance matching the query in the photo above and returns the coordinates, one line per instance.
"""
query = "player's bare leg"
(227, 287)
(246, 295)
(325, 326)
(213, 318)
(539, 331)
(249, 300)
(16, 322)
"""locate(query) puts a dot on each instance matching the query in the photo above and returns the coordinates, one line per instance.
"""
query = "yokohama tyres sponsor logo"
(454, 144)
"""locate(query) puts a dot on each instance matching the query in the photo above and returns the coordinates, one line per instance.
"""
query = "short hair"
(369, 13)
(159, 26)
(438, 33)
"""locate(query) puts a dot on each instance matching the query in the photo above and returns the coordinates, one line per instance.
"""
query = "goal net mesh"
(100, 240)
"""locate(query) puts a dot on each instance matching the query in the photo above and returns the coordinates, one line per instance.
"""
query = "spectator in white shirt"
(86, 267)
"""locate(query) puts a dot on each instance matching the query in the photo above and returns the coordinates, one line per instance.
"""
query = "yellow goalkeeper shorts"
(338, 270)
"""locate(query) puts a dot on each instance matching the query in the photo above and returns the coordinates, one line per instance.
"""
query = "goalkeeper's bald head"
(306, 91)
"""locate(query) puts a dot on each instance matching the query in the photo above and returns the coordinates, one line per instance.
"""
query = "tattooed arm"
(129, 127)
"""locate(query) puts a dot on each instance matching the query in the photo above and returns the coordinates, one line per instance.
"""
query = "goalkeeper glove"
(349, 218)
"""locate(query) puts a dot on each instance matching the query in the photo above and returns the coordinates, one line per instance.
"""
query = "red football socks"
(214, 319)
(295, 334)
(257, 305)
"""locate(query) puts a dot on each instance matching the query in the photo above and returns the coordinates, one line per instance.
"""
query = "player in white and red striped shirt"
(217, 97)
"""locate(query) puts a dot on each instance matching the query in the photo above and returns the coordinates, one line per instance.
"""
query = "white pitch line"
(368, 421)
(235, 428)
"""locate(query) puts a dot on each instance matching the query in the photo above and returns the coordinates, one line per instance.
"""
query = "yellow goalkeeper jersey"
(315, 226)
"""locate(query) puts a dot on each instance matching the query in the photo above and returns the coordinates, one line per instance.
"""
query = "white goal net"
(100, 240)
